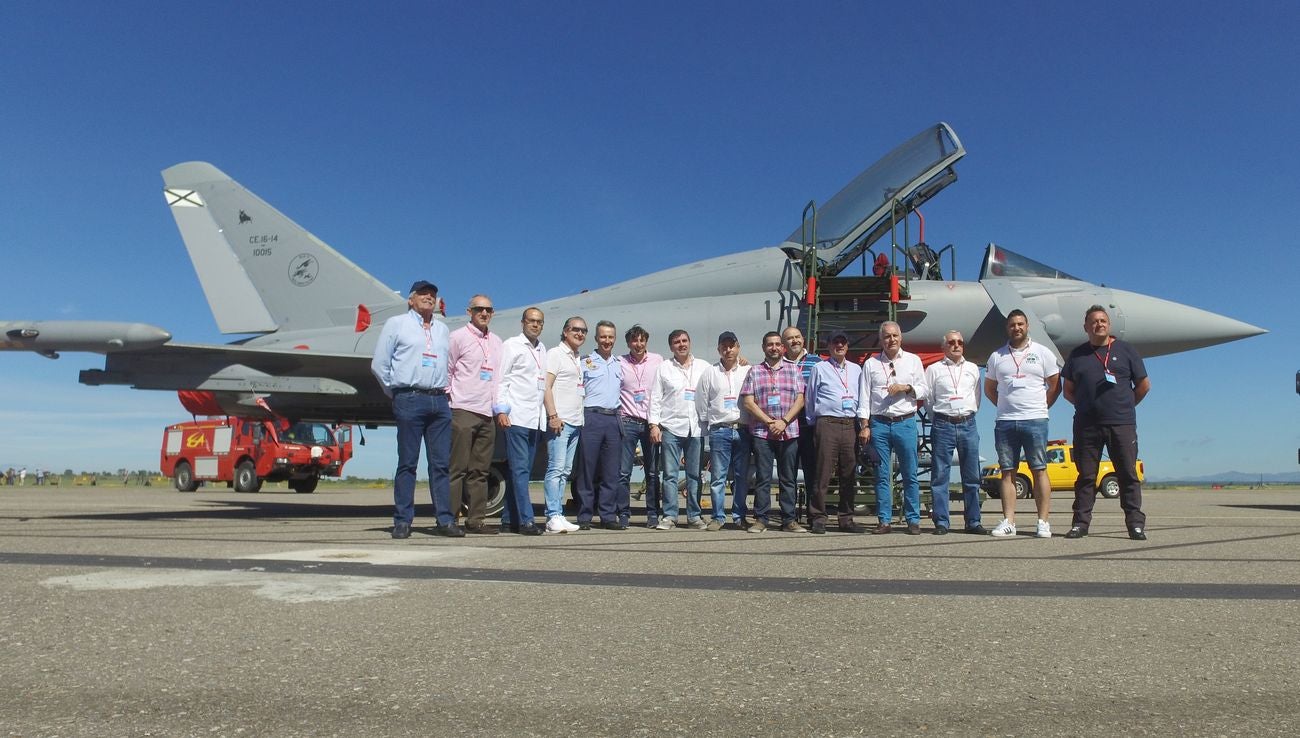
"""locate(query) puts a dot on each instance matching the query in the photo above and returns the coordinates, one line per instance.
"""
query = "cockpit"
(1000, 262)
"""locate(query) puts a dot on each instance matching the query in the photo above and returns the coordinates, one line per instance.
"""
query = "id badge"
(541, 383)
(688, 394)
(728, 403)
(1110, 378)
(426, 359)
(957, 404)
(774, 401)
(847, 402)
(485, 374)
(1020, 381)
(582, 390)
(638, 396)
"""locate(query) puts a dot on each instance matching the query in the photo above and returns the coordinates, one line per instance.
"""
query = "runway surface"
(143, 611)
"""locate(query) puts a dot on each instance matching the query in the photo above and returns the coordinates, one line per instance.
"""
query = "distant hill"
(1234, 477)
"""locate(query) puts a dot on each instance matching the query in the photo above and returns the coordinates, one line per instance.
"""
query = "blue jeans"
(674, 448)
(786, 453)
(724, 466)
(742, 459)
(634, 432)
(1009, 436)
(560, 448)
(965, 438)
(900, 438)
(521, 450)
(422, 418)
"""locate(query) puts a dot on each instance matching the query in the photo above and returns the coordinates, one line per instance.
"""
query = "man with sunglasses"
(953, 386)
(474, 358)
(893, 382)
(564, 397)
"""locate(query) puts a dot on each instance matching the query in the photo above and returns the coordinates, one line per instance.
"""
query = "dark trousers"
(835, 439)
(599, 490)
(636, 431)
(807, 444)
(427, 419)
(786, 453)
(1122, 444)
(473, 440)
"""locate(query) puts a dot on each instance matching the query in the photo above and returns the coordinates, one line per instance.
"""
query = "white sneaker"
(666, 524)
(1005, 529)
(1044, 530)
(698, 524)
(557, 524)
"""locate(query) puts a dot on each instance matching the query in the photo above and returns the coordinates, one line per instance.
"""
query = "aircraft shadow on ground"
(1279, 508)
(255, 509)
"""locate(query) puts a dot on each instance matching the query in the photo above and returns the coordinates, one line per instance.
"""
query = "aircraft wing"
(304, 385)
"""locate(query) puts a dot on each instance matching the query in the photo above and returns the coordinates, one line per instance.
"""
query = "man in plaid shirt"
(772, 395)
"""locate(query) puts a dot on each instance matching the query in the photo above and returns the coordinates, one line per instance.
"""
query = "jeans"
(560, 448)
(636, 431)
(422, 418)
(723, 465)
(900, 438)
(674, 448)
(521, 450)
(786, 453)
(965, 438)
(1009, 436)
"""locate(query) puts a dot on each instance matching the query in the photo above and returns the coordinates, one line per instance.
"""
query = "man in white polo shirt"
(1022, 379)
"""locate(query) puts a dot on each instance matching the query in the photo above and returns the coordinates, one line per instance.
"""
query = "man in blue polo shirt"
(410, 362)
(1105, 380)
(601, 437)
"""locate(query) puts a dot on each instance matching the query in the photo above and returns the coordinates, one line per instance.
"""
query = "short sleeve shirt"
(1022, 376)
(1096, 398)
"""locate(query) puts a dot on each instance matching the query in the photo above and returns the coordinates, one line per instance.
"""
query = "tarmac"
(143, 611)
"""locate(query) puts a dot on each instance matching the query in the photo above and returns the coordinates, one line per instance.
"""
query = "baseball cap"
(421, 284)
(727, 337)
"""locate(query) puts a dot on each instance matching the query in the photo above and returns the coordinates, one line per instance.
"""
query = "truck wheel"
(183, 477)
(1109, 487)
(304, 486)
(246, 477)
(1024, 490)
(496, 489)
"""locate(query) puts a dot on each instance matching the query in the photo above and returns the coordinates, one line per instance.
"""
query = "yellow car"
(1061, 472)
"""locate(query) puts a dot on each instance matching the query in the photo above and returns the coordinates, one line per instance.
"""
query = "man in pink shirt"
(639, 367)
(473, 364)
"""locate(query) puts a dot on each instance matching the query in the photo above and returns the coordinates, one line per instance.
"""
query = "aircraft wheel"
(1109, 487)
(304, 486)
(183, 477)
(496, 490)
(1024, 490)
(246, 477)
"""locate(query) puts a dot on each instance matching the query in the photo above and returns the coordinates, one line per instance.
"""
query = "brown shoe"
(848, 526)
(881, 529)
(481, 529)
(914, 529)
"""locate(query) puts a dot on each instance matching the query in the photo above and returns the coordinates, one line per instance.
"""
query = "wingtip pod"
(51, 336)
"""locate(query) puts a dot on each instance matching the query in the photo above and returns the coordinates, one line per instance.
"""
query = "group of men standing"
(454, 390)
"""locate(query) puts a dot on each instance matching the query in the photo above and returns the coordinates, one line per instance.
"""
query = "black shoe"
(508, 528)
(584, 525)
(481, 530)
(450, 530)
(401, 530)
(1137, 534)
(977, 530)
(1077, 531)
(614, 525)
(529, 530)
(852, 527)
(940, 530)
(914, 529)
(818, 527)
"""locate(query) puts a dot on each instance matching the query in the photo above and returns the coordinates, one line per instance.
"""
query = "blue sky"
(534, 149)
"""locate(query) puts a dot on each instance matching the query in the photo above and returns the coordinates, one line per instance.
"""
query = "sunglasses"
(578, 330)
(955, 342)
(481, 309)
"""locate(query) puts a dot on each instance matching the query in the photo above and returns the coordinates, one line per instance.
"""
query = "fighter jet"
(316, 316)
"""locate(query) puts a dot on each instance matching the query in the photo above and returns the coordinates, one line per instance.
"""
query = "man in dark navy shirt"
(1105, 379)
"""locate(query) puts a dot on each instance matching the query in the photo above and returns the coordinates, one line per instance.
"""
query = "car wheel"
(1024, 490)
(496, 490)
(1109, 487)
(246, 477)
(183, 477)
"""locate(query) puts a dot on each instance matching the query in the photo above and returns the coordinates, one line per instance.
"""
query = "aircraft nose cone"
(1164, 327)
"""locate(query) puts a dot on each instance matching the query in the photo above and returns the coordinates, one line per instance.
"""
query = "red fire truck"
(244, 452)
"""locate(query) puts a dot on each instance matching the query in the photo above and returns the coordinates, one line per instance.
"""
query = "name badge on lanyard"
(485, 373)
(582, 390)
(688, 394)
(847, 402)
(728, 403)
(426, 359)
(773, 400)
(1111, 378)
(638, 395)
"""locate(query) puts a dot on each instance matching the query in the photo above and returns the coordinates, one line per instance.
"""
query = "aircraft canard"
(318, 315)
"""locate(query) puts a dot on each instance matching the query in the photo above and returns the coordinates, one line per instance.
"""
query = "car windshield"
(310, 433)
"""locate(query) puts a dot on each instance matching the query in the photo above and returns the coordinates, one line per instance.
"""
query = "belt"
(715, 426)
(955, 419)
(893, 418)
(419, 391)
(602, 410)
(632, 419)
(835, 419)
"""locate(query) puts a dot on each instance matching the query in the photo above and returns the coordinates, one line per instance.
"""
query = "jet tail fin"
(260, 271)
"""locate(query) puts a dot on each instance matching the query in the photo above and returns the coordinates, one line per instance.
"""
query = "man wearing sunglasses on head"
(565, 394)
(474, 359)
(953, 386)
(893, 382)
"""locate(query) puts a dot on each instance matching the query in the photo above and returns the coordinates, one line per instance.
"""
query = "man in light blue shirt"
(602, 442)
(833, 398)
(410, 363)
